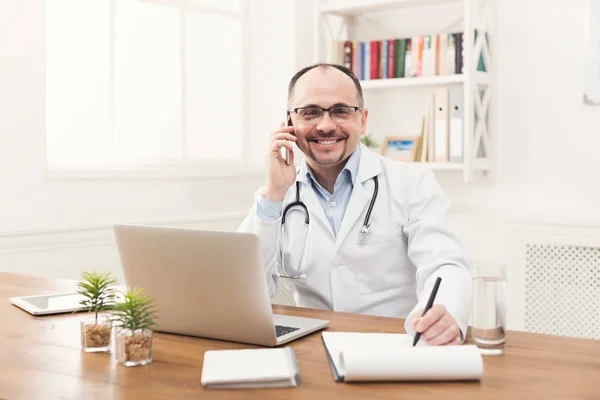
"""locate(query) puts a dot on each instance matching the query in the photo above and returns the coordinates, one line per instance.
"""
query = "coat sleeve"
(268, 233)
(435, 249)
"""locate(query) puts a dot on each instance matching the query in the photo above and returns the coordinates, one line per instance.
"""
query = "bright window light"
(135, 83)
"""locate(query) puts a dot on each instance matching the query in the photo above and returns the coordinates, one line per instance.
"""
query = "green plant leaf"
(98, 291)
(135, 312)
(368, 141)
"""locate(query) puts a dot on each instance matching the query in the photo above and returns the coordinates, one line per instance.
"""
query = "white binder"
(442, 125)
(456, 124)
(591, 94)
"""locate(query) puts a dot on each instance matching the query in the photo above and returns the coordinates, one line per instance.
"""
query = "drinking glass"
(489, 308)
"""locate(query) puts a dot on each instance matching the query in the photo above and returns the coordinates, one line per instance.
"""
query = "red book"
(374, 59)
(391, 63)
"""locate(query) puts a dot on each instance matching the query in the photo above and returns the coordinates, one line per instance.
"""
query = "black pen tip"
(416, 339)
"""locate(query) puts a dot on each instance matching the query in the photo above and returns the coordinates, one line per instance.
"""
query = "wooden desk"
(40, 358)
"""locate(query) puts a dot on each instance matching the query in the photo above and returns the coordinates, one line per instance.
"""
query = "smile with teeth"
(330, 141)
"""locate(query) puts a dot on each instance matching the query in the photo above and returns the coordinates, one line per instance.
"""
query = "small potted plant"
(99, 295)
(368, 141)
(134, 320)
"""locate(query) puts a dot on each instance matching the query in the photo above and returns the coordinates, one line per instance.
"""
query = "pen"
(429, 304)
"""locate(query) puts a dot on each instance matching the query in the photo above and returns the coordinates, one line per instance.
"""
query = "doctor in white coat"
(367, 234)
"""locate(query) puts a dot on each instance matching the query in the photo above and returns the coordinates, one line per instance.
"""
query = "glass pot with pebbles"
(134, 320)
(98, 291)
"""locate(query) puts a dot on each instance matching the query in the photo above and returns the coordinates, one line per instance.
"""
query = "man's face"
(327, 141)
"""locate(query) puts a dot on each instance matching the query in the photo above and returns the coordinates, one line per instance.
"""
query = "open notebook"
(250, 368)
(390, 357)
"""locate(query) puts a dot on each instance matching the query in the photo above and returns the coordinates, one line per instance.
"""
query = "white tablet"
(49, 303)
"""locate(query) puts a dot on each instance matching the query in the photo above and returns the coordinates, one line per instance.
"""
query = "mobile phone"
(287, 151)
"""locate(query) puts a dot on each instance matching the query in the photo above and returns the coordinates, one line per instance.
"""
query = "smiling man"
(351, 230)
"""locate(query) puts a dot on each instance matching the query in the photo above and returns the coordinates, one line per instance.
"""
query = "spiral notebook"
(250, 368)
(390, 357)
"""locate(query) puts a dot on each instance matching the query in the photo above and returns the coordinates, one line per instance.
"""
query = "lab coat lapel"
(369, 166)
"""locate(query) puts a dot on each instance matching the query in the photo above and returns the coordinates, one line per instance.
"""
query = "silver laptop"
(207, 283)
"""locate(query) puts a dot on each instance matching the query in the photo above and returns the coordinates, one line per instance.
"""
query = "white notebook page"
(383, 356)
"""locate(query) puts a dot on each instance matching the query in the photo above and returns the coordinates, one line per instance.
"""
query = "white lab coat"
(390, 272)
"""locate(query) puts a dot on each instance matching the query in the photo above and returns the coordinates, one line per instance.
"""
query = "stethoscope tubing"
(299, 203)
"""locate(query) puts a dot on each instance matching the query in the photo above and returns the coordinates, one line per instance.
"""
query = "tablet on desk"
(49, 303)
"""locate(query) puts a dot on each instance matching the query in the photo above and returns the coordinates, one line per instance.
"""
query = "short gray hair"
(359, 93)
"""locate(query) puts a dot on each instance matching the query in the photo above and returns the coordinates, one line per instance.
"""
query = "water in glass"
(489, 309)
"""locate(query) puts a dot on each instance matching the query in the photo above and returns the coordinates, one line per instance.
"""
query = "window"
(144, 83)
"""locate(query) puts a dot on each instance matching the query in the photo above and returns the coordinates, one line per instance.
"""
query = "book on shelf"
(417, 56)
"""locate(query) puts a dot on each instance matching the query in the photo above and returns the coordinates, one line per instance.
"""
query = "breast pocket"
(379, 261)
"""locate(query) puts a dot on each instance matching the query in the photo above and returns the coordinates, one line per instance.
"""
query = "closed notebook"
(250, 368)
(391, 357)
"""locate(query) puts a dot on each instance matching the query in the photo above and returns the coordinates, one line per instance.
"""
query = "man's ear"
(363, 120)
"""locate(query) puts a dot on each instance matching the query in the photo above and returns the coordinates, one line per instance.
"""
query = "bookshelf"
(475, 16)
(425, 81)
(359, 7)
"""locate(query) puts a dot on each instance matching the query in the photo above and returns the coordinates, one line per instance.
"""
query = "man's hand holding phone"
(280, 174)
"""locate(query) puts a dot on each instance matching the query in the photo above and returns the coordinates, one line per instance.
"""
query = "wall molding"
(77, 236)
(87, 235)
(494, 237)
(212, 217)
(155, 173)
(526, 217)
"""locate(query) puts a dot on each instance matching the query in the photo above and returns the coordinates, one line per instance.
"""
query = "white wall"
(57, 227)
(548, 139)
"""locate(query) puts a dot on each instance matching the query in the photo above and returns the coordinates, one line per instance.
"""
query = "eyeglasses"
(339, 114)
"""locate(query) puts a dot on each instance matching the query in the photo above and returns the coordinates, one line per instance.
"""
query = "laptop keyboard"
(281, 330)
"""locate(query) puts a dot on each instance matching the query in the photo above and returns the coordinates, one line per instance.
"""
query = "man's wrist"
(267, 209)
(274, 195)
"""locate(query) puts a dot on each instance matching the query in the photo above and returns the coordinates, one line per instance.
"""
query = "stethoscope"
(299, 203)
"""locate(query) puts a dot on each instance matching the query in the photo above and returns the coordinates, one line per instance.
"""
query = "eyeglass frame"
(328, 110)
